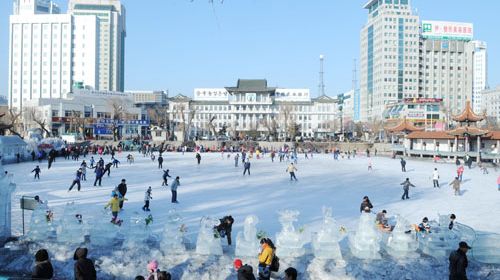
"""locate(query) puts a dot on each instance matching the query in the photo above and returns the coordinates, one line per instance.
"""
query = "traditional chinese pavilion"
(457, 142)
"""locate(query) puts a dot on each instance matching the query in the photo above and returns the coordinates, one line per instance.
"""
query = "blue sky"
(182, 44)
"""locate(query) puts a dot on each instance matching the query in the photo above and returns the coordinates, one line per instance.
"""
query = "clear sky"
(178, 45)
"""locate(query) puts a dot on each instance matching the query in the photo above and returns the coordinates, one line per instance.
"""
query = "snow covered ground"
(216, 188)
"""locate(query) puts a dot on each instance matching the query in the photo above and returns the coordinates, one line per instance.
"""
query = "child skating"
(37, 172)
(147, 197)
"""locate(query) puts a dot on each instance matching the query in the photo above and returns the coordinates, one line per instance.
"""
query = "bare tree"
(285, 117)
(184, 125)
(119, 113)
(211, 125)
(271, 126)
(37, 117)
(10, 122)
(376, 126)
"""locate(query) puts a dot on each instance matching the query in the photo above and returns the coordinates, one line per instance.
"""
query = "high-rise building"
(39, 52)
(49, 52)
(446, 63)
(110, 39)
(389, 56)
(479, 74)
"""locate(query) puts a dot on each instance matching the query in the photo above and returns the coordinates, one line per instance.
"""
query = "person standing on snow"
(458, 262)
(406, 187)
(236, 159)
(165, 176)
(76, 181)
(160, 162)
(365, 203)
(291, 169)
(460, 172)
(247, 167)
(435, 178)
(456, 185)
(122, 189)
(173, 188)
(403, 165)
(147, 197)
(37, 172)
(198, 158)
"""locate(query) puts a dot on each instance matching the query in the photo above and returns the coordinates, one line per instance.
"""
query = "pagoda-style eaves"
(468, 115)
(404, 126)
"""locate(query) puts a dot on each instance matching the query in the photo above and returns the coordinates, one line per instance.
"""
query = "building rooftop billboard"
(445, 30)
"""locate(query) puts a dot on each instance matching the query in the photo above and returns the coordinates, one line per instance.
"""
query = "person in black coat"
(107, 168)
(366, 203)
(244, 272)
(403, 165)
(160, 162)
(291, 273)
(198, 158)
(225, 227)
(122, 189)
(43, 268)
(165, 176)
(84, 268)
(459, 262)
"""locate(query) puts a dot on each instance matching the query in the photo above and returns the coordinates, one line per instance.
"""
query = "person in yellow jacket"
(115, 205)
(291, 169)
(265, 259)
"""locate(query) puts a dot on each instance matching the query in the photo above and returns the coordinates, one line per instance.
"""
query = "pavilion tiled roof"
(403, 126)
(468, 115)
(429, 135)
(472, 131)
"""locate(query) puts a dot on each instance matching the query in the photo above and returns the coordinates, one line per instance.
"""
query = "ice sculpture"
(173, 234)
(103, 232)
(41, 227)
(247, 244)
(289, 241)
(208, 243)
(439, 241)
(486, 248)
(138, 231)
(326, 241)
(6, 190)
(71, 228)
(365, 242)
(401, 243)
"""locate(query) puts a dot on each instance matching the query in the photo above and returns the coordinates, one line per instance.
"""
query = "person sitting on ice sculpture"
(424, 226)
(225, 227)
(382, 222)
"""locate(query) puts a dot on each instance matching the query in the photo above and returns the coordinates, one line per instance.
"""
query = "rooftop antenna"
(321, 82)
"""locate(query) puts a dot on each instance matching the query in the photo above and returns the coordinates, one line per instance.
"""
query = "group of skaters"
(457, 259)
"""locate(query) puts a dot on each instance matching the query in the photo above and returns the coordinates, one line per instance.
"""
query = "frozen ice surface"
(289, 241)
(326, 241)
(401, 243)
(207, 242)
(365, 242)
(247, 244)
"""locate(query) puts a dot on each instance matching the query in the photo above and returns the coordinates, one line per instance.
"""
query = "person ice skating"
(246, 167)
(99, 172)
(84, 268)
(236, 159)
(456, 185)
(114, 203)
(165, 176)
(92, 162)
(147, 197)
(452, 221)
(370, 166)
(173, 189)
(33, 155)
(273, 155)
(76, 181)
(458, 262)
(460, 172)
(435, 178)
(130, 158)
(37, 172)
(107, 168)
(365, 203)
(115, 162)
(291, 273)
(122, 189)
(265, 259)
(403, 165)
(498, 183)
(160, 162)
(225, 228)
(43, 268)
(198, 158)
(153, 157)
(406, 188)
(83, 166)
(244, 272)
(291, 169)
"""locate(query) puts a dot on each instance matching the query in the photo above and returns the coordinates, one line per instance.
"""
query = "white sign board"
(445, 30)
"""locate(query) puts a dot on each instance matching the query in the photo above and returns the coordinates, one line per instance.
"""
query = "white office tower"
(110, 32)
(389, 56)
(479, 74)
(446, 63)
(39, 52)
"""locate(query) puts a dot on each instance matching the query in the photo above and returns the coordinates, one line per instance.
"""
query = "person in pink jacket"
(460, 172)
(498, 183)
